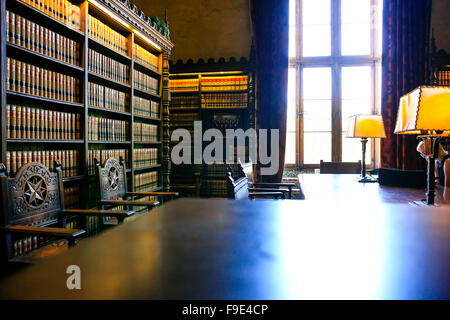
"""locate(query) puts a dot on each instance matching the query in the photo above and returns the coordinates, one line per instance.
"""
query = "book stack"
(443, 78)
(72, 197)
(145, 83)
(145, 108)
(103, 129)
(109, 37)
(144, 132)
(183, 119)
(227, 83)
(107, 67)
(145, 58)
(108, 98)
(33, 123)
(62, 10)
(145, 157)
(217, 188)
(26, 78)
(184, 85)
(146, 181)
(31, 36)
(224, 101)
(68, 158)
(182, 102)
(104, 154)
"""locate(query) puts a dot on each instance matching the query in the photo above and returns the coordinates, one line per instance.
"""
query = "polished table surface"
(345, 188)
(260, 249)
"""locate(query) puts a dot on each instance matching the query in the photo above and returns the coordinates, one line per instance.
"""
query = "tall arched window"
(334, 72)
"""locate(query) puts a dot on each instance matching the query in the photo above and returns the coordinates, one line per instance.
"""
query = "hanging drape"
(406, 30)
(271, 38)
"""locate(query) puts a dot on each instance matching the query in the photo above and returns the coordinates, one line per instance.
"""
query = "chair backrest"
(33, 196)
(340, 167)
(111, 178)
(236, 188)
(247, 168)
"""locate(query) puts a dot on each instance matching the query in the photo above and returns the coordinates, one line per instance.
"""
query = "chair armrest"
(69, 234)
(273, 185)
(130, 203)
(108, 213)
(266, 194)
(159, 194)
(267, 190)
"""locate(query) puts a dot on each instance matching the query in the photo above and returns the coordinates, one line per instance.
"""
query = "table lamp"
(426, 111)
(365, 126)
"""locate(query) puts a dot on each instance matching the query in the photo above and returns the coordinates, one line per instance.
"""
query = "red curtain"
(271, 39)
(406, 30)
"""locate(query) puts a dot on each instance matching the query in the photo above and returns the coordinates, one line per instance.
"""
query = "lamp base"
(366, 179)
(422, 203)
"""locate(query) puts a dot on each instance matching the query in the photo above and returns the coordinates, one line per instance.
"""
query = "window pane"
(356, 99)
(356, 39)
(316, 83)
(290, 147)
(317, 115)
(317, 146)
(292, 50)
(316, 40)
(352, 149)
(356, 83)
(292, 12)
(355, 11)
(316, 12)
(356, 20)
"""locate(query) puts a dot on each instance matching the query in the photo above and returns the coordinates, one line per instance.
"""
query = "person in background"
(442, 168)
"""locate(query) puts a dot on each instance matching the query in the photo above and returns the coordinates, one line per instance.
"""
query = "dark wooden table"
(261, 249)
(345, 188)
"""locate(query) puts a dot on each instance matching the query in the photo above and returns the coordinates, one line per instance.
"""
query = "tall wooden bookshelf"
(116, 94)
(221, 98)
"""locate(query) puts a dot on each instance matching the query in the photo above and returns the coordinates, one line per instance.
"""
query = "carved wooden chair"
(237, 188)
(340, 167)
(286, 188)
(112, 183)
(34, 214)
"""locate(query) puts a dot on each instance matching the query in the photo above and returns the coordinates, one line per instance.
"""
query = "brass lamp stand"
(431, 151)
(364, 177)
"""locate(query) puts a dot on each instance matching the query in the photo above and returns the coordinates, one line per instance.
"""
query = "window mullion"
(336, 76)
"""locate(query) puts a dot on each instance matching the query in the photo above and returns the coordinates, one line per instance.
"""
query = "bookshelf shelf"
(223, 91)
(147, 142)
(149, 71)
(30, 56)
(140, 118)
(146, 94)
(93, 89)
(107, 51)
(70, 179)
(108, 142)
(44, 19)
(38, 99)
(94, 77)
(46, 141)
(147, 167)
(111, 112)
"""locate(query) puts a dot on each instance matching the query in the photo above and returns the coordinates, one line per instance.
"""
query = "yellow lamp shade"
(365, 126)
(424, 110)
